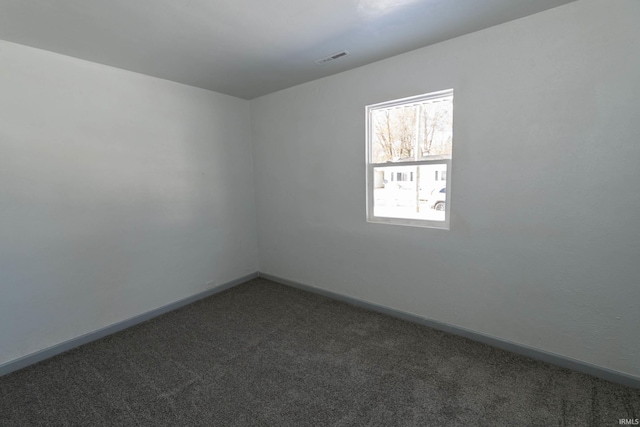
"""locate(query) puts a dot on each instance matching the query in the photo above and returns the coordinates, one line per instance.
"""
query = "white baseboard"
(30, 359)
(524, 350)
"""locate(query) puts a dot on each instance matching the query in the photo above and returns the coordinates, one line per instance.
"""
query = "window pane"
(416, 131)
(423, 197)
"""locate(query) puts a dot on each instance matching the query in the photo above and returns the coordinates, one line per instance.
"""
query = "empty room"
(319, 213)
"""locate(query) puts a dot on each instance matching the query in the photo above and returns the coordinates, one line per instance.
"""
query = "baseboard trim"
(524, 350)
(38, 356)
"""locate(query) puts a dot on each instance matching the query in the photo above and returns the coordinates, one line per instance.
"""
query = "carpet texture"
(263, 354)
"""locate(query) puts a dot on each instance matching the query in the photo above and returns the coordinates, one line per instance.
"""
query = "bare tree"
(383, 137)
(394, 134)
(437, 119)
(396, 131)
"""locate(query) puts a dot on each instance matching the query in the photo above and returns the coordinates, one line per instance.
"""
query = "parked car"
(437, 198)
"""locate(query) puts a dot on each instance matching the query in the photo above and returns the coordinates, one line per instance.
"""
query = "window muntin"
(409, 150)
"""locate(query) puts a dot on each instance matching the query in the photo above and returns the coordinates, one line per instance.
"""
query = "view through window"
(409, 147)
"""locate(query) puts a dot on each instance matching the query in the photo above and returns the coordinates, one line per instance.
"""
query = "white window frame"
(418, 99)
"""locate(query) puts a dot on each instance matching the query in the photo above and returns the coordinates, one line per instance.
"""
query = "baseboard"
(30, 359)
(532, 352)
(524, 350)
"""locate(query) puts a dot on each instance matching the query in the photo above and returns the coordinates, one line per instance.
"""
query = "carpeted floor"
(263, 354)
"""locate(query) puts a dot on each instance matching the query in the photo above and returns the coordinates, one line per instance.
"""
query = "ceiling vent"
(332, 57)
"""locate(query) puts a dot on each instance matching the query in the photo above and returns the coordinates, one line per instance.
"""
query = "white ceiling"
(247, 48)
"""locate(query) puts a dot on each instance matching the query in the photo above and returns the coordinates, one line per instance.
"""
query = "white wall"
(544, 246)
(119, 193)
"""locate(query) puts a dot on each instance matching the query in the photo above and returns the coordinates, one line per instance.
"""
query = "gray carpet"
(263, 354)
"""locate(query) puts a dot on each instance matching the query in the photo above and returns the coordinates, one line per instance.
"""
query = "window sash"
(446, 161)
(445, 225)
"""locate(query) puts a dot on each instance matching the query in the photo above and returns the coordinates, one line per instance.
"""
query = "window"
(409, 148)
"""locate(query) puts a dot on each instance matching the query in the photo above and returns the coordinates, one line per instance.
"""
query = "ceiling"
(247, 48)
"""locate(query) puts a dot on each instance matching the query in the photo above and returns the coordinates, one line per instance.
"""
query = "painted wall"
(544, 246)
(119, 193)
